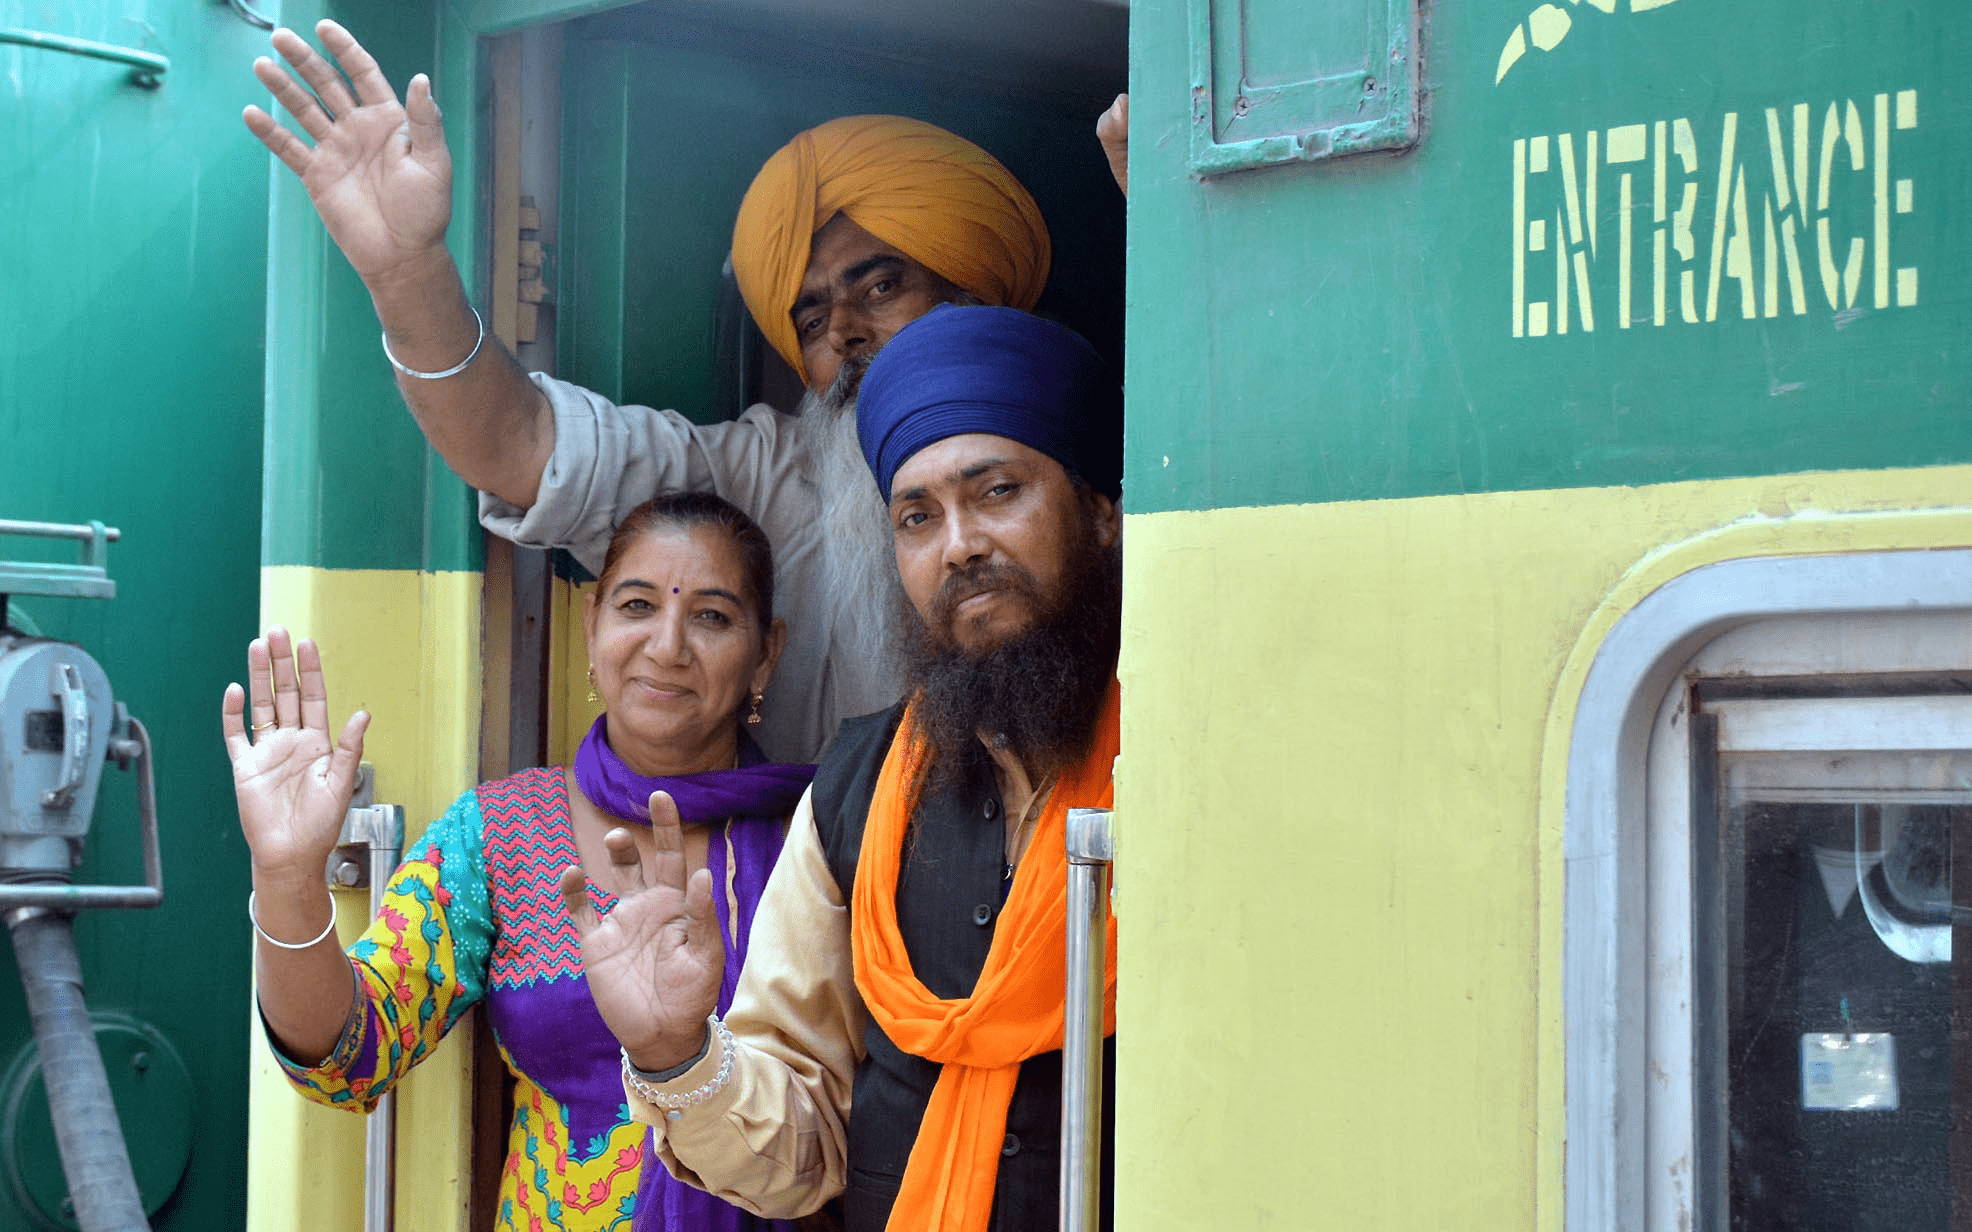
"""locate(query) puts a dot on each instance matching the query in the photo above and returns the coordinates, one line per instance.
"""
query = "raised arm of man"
(380, 176)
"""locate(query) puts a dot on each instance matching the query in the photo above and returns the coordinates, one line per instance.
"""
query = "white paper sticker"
(1843, 1072)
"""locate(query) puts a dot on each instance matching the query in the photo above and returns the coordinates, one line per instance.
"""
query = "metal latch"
(372, 837)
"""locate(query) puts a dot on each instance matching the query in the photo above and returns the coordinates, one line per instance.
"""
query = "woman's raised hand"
(293, 784)
(655, 961)
(379, 172)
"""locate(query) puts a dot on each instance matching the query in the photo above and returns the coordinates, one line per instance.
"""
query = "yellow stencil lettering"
(1720, 210)
(1628, 144)
(1839, 285)
(1686, 147)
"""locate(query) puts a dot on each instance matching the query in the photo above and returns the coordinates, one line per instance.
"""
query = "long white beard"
(858, 562)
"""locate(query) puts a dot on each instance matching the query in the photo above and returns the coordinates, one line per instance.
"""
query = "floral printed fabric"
(474, 914)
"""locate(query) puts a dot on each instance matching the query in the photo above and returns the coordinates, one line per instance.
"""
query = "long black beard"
(1042, 688)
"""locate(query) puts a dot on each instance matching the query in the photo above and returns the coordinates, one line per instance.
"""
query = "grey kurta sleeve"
(774, 1140)
(609, 459)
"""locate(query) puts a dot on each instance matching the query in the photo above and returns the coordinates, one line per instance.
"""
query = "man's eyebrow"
(869, 265)
(959, 476)
(886, 261)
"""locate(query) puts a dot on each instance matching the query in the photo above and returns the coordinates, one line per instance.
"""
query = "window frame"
(1623, 1147)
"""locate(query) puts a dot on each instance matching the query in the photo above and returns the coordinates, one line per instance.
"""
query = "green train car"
(1547, 755)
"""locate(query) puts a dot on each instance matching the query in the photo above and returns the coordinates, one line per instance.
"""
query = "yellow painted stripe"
(1345, 738)
(405, 647)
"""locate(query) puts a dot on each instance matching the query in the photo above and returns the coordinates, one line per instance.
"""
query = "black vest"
(948, 901)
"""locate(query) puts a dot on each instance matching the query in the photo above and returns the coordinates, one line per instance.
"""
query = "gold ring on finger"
(264, 726)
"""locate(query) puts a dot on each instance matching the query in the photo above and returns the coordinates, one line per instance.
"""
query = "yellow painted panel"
(405, 647)
(1339, 808)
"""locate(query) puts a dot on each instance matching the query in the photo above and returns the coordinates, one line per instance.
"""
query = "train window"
(1829, 835)
(1768, 851)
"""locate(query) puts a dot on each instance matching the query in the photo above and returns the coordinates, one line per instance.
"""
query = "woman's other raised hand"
(655, 961)
(293, 783)
(379, 172)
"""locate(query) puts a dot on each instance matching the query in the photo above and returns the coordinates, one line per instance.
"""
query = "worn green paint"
(648, 202)
(1343, 330)
(134, 223)
(354, 485)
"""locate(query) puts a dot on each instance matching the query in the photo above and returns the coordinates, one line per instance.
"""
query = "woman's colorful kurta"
(477, 914)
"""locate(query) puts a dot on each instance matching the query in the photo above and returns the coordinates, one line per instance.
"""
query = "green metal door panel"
(354, 484)
(134, 223)
(1631, 246)
(669, 114)
(591, 258)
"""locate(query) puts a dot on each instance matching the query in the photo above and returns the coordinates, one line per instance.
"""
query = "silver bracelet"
(455, 369)
(289, 945)
(673, 1106)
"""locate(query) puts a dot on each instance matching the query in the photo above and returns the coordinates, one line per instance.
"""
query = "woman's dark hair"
(686, 511)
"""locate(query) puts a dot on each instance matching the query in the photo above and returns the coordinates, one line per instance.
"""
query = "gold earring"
(594, 697)
(753, 720)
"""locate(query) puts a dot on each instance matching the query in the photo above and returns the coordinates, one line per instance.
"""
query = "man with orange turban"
(851, 231)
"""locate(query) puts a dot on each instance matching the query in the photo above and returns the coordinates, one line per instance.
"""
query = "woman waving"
(682, 643)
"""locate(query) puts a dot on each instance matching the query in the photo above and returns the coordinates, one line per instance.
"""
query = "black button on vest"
(951, 858)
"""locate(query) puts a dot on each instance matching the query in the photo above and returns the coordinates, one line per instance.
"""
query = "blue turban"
(957, 370)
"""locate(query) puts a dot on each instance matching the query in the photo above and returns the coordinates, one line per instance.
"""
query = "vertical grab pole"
(383, 830)
(1089, 852)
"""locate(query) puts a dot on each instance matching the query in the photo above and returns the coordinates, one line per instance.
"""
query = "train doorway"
(600, 152)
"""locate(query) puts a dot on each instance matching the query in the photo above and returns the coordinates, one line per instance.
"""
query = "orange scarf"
(1015, 1010)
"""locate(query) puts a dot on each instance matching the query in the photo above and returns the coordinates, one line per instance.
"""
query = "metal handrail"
(84, 531)
(147, 68)
(1091, 847)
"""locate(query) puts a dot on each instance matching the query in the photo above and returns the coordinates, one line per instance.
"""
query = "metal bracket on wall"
(1301, 82)
(147, 68)
(532, 287)
(89, 579)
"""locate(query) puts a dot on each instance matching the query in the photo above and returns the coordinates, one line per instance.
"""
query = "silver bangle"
(288, 945)
(455, 369)
(672, 1105)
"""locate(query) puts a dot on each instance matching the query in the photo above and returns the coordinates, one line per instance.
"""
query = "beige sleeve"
(773, 1140)
(608, 459)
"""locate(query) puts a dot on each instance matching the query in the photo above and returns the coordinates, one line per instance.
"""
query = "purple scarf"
(758, 788)
(756, 796)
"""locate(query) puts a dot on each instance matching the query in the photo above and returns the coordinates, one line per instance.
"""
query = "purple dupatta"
(754, 800)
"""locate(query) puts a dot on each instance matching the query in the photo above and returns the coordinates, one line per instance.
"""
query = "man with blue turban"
(896, 1034)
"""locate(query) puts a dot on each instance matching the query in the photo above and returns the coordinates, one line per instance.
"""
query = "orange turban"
(935, 197)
